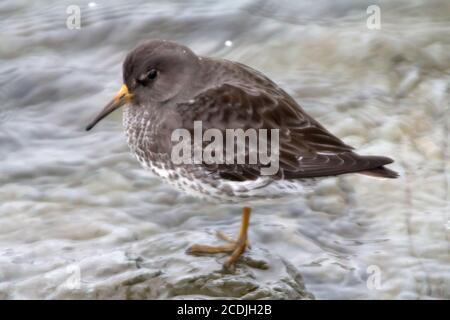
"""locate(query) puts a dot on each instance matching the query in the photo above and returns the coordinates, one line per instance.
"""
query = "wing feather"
(307, 149)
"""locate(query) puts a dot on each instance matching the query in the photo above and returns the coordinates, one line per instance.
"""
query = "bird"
(167, 87)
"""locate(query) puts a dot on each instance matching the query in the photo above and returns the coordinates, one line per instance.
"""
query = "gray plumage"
(227, 95)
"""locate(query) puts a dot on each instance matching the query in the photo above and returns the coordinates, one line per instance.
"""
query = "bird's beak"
(122, 97)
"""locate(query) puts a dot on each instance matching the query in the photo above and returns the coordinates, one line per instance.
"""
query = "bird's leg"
(241, 242)
(235, 247)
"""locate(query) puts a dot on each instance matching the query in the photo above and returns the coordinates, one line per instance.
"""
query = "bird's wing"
(306, 148)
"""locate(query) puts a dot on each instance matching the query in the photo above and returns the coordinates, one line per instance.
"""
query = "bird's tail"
(380, 171)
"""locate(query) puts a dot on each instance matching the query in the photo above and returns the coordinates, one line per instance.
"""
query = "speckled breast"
(195, 179)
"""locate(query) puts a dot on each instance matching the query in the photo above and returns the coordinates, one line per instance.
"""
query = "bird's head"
(155, 71)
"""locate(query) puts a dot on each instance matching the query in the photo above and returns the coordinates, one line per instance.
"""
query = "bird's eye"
(146, 78)
(151, 75)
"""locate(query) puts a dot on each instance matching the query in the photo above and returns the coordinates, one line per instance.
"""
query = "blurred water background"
(80, 219)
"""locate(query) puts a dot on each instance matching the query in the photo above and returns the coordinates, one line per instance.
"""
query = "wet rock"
(159, 268)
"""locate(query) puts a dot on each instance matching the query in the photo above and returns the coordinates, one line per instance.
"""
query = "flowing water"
(80, 219)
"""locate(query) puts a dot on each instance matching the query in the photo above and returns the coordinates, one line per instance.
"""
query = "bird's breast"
(139, 124)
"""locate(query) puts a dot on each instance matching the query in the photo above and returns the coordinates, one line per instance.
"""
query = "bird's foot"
(235, 247)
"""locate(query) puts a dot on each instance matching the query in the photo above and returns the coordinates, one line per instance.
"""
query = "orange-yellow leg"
(235, 247)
